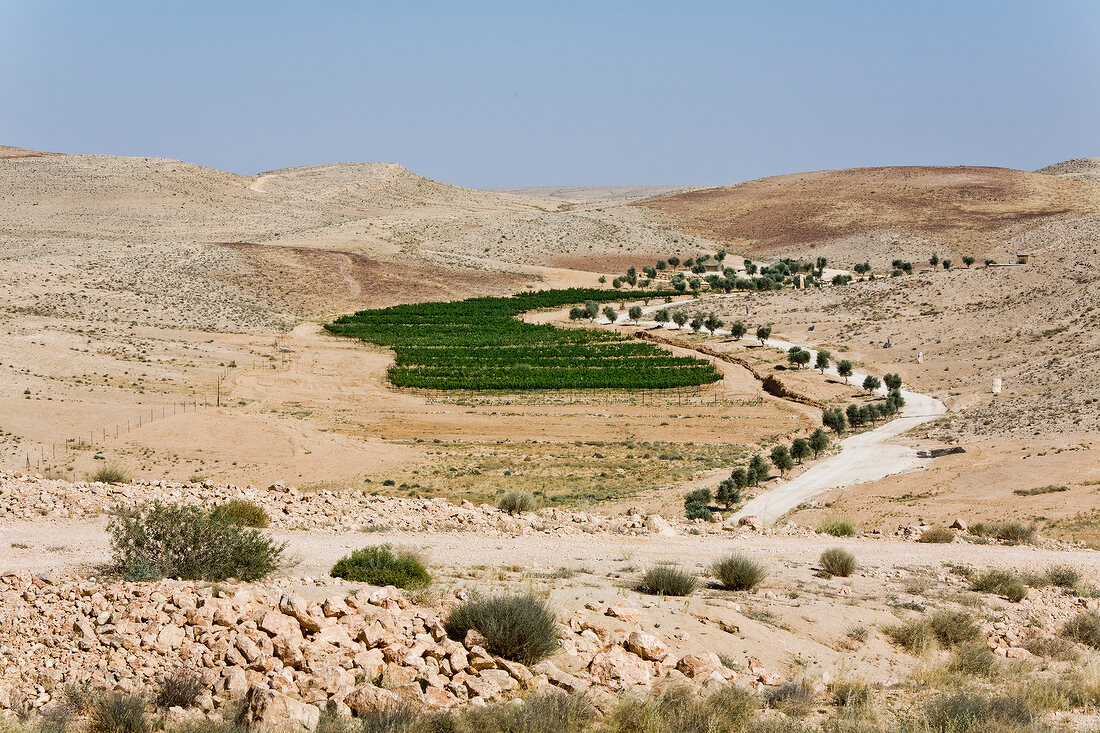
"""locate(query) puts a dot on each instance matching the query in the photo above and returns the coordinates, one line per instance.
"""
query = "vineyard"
(480, 344)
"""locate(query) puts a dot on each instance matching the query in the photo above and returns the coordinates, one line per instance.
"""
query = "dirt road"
(868, 456)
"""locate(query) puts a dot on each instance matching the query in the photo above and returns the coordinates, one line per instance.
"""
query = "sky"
(509, 94)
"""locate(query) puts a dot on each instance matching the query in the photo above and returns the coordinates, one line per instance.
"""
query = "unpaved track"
(71, 545)
(868, 456)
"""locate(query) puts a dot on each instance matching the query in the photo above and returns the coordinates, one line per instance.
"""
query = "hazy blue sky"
(514, 94)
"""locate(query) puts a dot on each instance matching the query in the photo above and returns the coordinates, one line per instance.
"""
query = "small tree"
(680, 318)
(781, 459)
(819, 441)
(674, 261)
(968, 261)
(763, 333)
(934, 260)
(823, 360)
(794, 356)
(696, 504)
(738, 329)
(835, 419)
(758, 469)
(729, 492)
(712, 322)
(601, 279)
(844, 369)
(610, 313)
(592, 309)
(800, 449)
(947, 264)
(635, 313)
(892, 381)
(576, 313)
(695, 283)
(696, 323)
(871, 383)
(617, 283)
(661, 316)
(661, 264)
(855, 417)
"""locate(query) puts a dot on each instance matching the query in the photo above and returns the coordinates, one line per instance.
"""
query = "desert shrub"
(915, 637)
(793, 698)
(1084, 628)
(242, 512)
(973, 660)
(1038, 490)
(953, 627)
(963, 712)
(117, 712)
(738, 572)
(696, 504)
(520, 628)
(397, 719)
(380, 565)
(937, 535)
(551, 712)
(837, 527)
(179, 689)
(666, 580)
(1054, 648)
(1016, 533)
(681, 709)
(849, 694)
(517, 502)
(838, 562)
(111, 473)
(1063, 576)
(1000, 582)
(184, 542)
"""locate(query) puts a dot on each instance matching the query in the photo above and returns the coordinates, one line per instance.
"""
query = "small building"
(1022, 258)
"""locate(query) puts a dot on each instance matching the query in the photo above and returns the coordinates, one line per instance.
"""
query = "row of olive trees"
(729, 492)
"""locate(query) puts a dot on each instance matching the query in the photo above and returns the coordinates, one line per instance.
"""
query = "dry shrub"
(520, 628)
(937, 535)
(666, 580)
(838, 562)
(738, 572)
(241, 512)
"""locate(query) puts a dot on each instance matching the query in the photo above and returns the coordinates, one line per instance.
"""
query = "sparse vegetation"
(517, 502)
(1000, 582)
(667, 580)
(953, 627)
(117, 712)
(1084, 628)
(179, 689)
(185, 542)
(520, 628)
(1040, 490)
(937, 535)
(241, 512)
(380, 565)
(112, 473)
(837, 527)
(838, 562)
(739, 572)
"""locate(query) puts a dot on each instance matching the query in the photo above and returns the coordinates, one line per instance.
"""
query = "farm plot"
(479, 344)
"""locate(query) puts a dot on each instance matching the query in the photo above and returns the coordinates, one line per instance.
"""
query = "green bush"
(1063, 576)
(973, 660)
(116, 712)
(1016, 533)
(953, 627)
(517, 502)
(666, 580)
(738, 572)
(242, 512)
(179, 689)
(937, 535)
(379, 565)
(1084, 628)
(682, 710)
(916, 637)
(112, 473)
(837, 527)
(696, 504)
(184, 542)
(520, 628)
(838, 562)
(1000, 582)
(968, 712)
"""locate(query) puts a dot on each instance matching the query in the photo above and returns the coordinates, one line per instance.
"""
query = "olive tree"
(871, 383)
(844, 369)
(610, 313)
(763, 333)
(781, 459)
(823, 360)
(800, 449)
(680, 318)
(819, 441)
(635, 313)
(738, 329)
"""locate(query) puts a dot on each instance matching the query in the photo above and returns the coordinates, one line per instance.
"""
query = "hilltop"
(859, 212)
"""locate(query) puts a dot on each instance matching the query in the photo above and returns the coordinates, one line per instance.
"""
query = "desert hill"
(1083, 169)
(849, 213)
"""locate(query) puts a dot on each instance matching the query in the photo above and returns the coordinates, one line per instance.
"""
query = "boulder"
(268, 710)
(366, 699)
(646, 646)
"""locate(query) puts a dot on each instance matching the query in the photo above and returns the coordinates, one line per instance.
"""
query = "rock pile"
(289, 657)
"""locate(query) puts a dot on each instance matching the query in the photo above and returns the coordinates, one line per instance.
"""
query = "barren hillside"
(849, 214)
(1083, 169)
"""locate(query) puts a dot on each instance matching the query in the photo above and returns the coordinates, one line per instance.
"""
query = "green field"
(480, 344)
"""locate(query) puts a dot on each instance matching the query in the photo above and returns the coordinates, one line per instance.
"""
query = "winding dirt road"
(865, 457)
